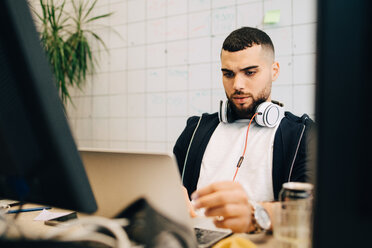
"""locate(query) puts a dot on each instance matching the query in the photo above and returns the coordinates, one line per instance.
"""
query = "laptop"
(118, 178)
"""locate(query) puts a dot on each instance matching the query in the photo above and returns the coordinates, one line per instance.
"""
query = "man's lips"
(240, 99)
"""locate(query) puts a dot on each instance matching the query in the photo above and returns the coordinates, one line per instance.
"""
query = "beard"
(241, 112)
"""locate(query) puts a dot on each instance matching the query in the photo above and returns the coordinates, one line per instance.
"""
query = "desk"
(26, 226)
(35, 229)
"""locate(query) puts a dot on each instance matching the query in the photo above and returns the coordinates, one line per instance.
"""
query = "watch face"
(262, 218)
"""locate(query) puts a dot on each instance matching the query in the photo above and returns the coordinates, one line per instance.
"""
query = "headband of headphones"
(269, 114)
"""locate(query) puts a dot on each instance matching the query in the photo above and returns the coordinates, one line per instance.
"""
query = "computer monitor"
(39, 159)
(343, 204)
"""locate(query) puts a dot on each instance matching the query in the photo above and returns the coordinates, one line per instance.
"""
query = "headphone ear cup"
(222, 112)
(269, 114)
(225, 113)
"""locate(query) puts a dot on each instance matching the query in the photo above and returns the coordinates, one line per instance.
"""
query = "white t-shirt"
(224, 150)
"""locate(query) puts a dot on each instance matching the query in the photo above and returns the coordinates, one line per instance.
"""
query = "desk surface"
(28, 228)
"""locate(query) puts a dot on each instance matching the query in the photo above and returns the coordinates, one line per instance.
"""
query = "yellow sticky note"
(272, 17)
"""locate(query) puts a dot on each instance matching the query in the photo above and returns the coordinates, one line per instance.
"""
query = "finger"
(190, 207)
(192, 211)
(237, 225)
(215, 187)
(221, 198)
(229, 211)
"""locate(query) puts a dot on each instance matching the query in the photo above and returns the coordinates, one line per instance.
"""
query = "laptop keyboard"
(205, 236)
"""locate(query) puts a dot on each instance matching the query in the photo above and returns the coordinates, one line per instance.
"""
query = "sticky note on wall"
(272, 16)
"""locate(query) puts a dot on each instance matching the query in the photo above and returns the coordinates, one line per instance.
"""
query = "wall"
(163, 66)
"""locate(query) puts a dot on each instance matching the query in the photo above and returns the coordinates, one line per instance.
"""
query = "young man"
(208, 150)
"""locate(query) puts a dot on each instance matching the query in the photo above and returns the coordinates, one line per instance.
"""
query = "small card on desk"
(49, 216)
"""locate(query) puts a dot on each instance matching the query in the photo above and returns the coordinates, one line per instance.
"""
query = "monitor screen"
(39, 159)
(343, 204)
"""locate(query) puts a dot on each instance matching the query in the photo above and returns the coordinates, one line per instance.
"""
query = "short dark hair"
(245, 37)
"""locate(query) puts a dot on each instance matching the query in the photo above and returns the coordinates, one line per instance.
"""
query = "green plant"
(65, 38)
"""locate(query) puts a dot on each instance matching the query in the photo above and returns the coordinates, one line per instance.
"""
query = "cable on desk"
(88, 231)
(4, 207)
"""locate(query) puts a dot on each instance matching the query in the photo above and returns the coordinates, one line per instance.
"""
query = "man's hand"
(228, 202)
(188, 203)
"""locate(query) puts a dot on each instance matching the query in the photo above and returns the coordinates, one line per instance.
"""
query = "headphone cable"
(245, 147)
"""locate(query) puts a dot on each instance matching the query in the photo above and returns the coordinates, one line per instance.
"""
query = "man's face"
(247, 77)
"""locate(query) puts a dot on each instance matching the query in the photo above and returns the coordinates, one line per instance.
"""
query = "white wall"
(165, 67)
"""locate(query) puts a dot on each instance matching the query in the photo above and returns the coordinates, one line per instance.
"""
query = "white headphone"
(269, 114)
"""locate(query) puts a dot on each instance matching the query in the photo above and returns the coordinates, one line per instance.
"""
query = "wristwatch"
(261, 219)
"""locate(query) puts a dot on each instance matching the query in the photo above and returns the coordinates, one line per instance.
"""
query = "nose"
(238, 83)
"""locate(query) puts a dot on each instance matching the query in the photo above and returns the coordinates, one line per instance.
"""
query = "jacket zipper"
(295, 156)
(188, 148)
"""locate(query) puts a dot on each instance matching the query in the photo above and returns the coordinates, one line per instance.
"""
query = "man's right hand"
(190, 207)
(228, 202)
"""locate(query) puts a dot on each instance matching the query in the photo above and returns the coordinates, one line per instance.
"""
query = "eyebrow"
(244, 69)
(249, 67)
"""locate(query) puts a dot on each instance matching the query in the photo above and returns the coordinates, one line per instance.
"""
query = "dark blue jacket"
(290, 155)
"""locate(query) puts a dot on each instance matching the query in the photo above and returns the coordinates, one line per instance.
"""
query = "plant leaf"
(66, 44)
(99, 17)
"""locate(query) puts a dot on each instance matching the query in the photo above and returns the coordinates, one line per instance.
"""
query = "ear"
(275, 68)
